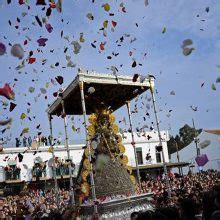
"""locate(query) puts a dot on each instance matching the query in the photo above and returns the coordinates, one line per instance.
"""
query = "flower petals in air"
(42, 42)
(17, 51)
(106, 7)
(12, 106)
(49, 27)
(59, 79)
(2, 49)
(7, 92)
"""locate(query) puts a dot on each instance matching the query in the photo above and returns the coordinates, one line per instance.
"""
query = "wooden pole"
(72, 201)
(133, 143)
(160, 138)
(54, 166)
(81, 85)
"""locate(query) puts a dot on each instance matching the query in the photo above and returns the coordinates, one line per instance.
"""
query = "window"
(158, 157)
(139, 155)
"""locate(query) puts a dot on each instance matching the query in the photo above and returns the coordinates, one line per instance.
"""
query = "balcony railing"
(39, 172)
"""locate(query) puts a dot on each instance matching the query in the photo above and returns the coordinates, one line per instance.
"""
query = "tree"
(184, 138)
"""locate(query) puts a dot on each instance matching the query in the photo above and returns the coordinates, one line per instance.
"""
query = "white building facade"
(145, 144)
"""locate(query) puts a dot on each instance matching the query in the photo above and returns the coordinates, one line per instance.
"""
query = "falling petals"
(172, 93)
(76, 47)
(59, 6)
(81, 38)
(218, 80)
(187, 51)
(134, 64)
(49, 27)
(43, 90)
(106, 7)
(114, 23)
(31, 89)
(23, 116)
(17, 51)
(40, 2)
(59, 79)
(146, 3)
(91, 90)
(6, 122)
(31, 60)
(135, 77)
(164, 30)
(2, 49)
(213, 87)
(90, 16)
(102, 46)
(105, 23)
(7, 92)
(12, 106)
(42, 42)
(24, 131)
(38, 21)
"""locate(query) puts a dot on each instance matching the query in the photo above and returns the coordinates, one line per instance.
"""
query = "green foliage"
(184, 138)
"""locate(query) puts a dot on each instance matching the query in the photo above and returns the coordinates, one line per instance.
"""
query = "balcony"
(12, 173)
(62, 170)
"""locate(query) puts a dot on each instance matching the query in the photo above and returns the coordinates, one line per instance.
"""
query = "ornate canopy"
(99, 89)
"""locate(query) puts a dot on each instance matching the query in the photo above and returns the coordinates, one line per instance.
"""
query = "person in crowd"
(24, 141)
(17, 142)
(59, 140)
(49, 140)
(45, 141)
(29, 141)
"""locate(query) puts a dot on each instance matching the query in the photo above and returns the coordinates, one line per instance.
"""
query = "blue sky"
(164, 57)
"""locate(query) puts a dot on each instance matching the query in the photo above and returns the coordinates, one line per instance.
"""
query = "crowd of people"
(34, 204)
(39, 140)
(192, 196)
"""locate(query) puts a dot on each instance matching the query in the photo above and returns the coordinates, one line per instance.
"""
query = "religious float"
(107, 187)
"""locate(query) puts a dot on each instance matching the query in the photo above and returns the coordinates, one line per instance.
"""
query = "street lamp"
(196, 139)
(178, 157)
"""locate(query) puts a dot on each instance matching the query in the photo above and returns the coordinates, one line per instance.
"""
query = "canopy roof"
(161, 166)
(109, 92)
(213, 131)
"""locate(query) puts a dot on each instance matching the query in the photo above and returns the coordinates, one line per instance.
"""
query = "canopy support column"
(133, 142)
(81, 84)
(67, 145)
(53, 156)
(159, 136)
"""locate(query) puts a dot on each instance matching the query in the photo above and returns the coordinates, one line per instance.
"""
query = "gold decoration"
(87, 151)
(133, 180)
(85, 187)
(129, 168)
(92, 119)
(85, 173)
(121, 148)
(81, 85)
(124, 160)
(50, 149)
(86, 164)
(91, 130)
(115, 128)
(119, 138)
(111, 119)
